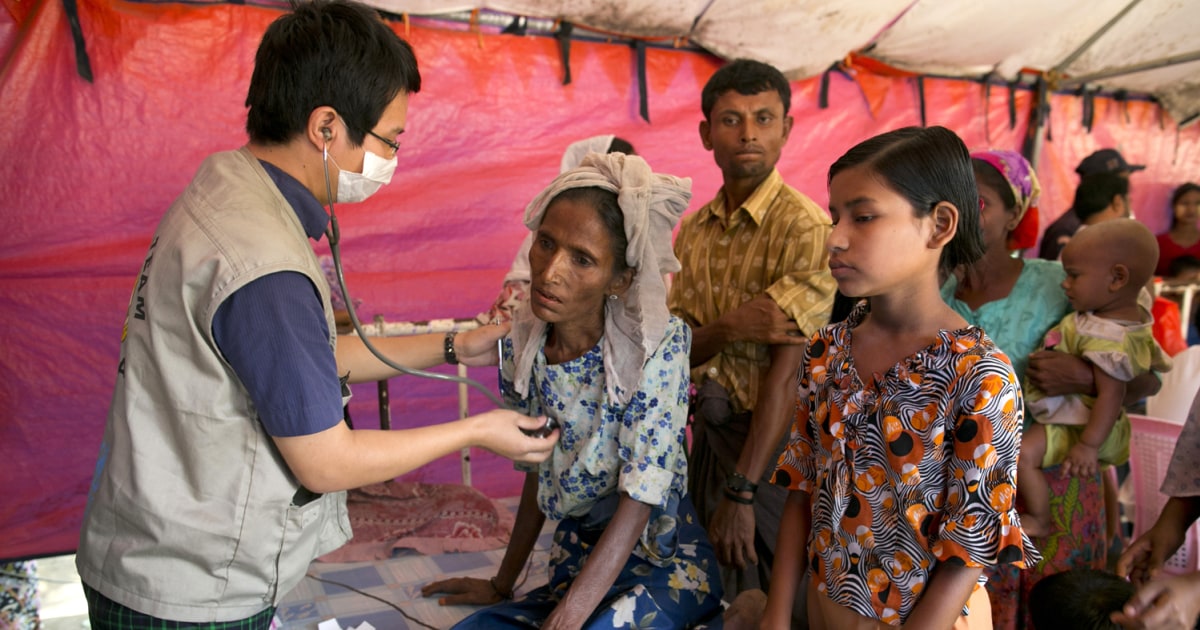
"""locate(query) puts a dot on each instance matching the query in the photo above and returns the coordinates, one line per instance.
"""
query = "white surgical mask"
(355, 187)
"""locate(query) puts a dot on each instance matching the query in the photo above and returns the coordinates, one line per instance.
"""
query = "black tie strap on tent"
(563, 35)
(920, 81)
(82, 64)
(1088, 99)
(639, 49)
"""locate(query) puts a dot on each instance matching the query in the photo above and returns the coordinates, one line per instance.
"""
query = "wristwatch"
(448, 352)
(737, 482)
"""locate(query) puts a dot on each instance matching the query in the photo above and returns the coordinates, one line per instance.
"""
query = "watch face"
(448, 352)
(738, 482)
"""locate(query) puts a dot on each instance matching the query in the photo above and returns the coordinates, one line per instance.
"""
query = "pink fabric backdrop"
(87, 169)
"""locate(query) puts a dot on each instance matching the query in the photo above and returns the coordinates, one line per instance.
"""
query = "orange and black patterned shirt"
(905, 470)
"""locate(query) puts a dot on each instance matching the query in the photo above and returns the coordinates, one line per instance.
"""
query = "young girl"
(1107, 266)
(902, 461)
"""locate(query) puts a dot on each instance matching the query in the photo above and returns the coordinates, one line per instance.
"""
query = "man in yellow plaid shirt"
(754, 284)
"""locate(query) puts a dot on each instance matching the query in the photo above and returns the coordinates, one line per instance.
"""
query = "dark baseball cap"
(1106, 161)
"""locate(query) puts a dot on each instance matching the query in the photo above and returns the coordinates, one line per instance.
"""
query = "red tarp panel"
(89, 168)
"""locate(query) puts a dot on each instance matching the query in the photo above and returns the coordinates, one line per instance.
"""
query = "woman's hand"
(1144, 558)
(503, 432)
(1060, 374)
(479, 346)
(1171, 603)
(463, 590)
(603, 565)
(564, 617)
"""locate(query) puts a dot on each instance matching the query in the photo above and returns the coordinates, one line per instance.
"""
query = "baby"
(1107, 266)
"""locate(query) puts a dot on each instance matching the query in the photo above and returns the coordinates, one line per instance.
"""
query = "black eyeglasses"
(392, 144)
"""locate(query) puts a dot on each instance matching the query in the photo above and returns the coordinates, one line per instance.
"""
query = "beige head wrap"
(635, 324)
(580, 148)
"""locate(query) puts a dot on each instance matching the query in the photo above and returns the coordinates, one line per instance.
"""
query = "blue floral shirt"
(605, 448)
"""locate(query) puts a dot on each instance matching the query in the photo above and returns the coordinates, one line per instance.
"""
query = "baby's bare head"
(1124, 242)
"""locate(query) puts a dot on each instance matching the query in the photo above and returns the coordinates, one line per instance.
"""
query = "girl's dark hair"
(335, 53)
(927, 166)
(605, 202)
(842, 307)
(987, 175)
(1178, 194)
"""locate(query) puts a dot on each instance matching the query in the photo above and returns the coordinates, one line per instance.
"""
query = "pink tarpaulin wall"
(88, 168)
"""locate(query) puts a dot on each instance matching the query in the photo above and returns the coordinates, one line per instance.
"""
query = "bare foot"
(1034, 526)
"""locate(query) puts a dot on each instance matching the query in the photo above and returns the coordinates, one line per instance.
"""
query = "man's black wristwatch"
(737, 482)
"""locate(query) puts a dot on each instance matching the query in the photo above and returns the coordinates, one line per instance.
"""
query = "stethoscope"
(334, 236)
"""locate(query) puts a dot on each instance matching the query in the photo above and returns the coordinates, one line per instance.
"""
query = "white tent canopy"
(1139, 46)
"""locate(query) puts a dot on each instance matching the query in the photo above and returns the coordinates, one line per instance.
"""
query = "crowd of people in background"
(905, 279)
(774, 288)
(884, 412)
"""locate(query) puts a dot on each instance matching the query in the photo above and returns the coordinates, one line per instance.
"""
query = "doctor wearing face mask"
(225, 458)
(376, 172)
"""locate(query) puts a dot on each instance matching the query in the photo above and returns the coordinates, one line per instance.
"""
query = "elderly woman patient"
(597, 351)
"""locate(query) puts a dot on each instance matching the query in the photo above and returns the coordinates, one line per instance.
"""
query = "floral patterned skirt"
(1078, 541)
(682, 594)
(19, 596)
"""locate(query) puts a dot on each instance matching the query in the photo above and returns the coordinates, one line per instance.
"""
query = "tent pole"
(1089, 42)
(1172, 60)
(700, 16)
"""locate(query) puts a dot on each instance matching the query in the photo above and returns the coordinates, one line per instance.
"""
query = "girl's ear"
(945, 224)
(1119, 277)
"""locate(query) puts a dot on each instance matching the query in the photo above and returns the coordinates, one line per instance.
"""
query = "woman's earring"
(612, 296)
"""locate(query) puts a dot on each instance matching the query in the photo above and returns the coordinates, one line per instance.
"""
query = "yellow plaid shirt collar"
(755, 207)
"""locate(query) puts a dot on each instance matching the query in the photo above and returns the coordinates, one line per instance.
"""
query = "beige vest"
(190, 515)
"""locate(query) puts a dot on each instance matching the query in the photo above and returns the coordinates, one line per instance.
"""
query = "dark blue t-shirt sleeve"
(274, 334)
